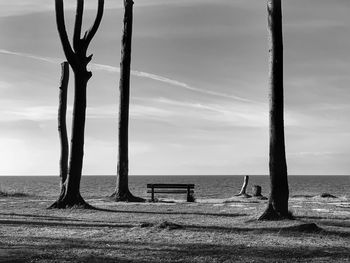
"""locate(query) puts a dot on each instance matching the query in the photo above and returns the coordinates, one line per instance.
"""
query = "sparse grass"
(168, 232)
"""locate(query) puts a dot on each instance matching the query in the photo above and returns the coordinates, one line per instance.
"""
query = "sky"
(199, 87)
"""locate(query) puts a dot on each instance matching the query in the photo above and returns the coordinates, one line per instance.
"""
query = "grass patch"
(170, 232)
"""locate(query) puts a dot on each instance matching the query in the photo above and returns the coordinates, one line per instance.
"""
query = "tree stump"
(256, 189)
(244, 187)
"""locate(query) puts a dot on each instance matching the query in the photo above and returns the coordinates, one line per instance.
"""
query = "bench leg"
(152, 195)
(188, 194)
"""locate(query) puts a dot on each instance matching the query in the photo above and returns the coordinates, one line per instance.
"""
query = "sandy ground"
(204, 231)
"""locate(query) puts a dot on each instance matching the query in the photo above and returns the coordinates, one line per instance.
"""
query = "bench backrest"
(181, 186)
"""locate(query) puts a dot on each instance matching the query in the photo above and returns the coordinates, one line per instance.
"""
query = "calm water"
(205, 186)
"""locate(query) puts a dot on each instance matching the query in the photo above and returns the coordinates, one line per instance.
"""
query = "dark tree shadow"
(46, 217)
(169, 213)
(295, 230)
(134, 251)
(326, 221)
(88, 224)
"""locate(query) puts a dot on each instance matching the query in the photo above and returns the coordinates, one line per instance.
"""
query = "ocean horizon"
(206, 186)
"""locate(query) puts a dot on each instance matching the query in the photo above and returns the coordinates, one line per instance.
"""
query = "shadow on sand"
(169, 212)
(130, 251)
(301, 227)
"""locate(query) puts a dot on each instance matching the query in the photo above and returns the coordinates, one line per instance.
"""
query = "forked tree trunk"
(279, 193)
(72, 196)
(122, 192)
(62, 126)
(78, 60)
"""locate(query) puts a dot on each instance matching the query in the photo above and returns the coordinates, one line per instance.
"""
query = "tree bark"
(71, 186)
(62, 126)
(256, 189)
(78, 134)
(279, 193)
(78, 60)
(122, 192)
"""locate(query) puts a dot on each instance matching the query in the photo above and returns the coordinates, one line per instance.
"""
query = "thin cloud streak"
(141, 74)
(20, 7)
(188, 87)
(173, 82)
(25, 55)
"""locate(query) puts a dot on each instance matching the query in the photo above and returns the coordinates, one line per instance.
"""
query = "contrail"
(141, 74)
(45, 59)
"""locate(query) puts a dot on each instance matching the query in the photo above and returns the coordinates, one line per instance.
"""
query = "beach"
(174, 131)
(208, 230)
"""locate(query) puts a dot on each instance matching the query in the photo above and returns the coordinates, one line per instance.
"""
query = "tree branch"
(63, 32)
(78, 23)
(89, 34)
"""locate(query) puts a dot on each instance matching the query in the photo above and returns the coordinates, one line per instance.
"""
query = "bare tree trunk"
(72, 195)
(62, 126)
(278, 200)
(244, 188)
(122, 192)
(78, 60)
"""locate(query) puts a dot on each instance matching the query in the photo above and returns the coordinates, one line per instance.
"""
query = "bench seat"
(171, 189)
(184, 186)
(165, 191)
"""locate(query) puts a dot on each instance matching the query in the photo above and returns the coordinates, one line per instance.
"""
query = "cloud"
(25, 55)
(141, 74)
(20, 7)
(196, 114)
(140, 148)
(166, 80)
(5, 85)
(233, 114)
(39, 113)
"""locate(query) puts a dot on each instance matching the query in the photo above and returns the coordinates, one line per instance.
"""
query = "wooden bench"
(171, 189)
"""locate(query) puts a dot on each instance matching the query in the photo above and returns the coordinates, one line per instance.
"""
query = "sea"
(206, 187)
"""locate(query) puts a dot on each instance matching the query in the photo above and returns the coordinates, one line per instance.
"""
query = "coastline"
(206, 187)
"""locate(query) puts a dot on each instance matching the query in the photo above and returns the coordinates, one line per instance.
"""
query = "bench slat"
(181, 186)
(169, 191)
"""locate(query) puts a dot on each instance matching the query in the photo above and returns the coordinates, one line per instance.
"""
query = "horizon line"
(94, 175)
